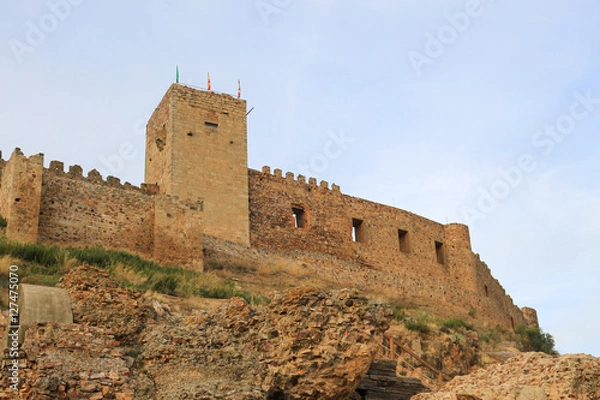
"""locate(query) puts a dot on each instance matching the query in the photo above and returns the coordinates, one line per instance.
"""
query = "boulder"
(306, 344)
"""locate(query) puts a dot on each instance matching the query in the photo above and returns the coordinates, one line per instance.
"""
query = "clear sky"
(483, 112)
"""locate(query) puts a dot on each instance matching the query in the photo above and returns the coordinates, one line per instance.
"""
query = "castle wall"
(178, 233)
(20, 190)
(56, 207)
(159, 146)
(78, 211)
(394, 248)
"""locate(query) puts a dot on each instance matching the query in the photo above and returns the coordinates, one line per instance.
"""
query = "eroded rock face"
(98, 300)
(528, 376)
(305, 345)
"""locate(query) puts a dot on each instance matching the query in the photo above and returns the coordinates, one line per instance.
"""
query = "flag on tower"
(208, 80)
(239, 89)
(176, 73)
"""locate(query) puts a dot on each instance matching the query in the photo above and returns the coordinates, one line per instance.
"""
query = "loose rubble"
(98, 300)
(528, 376)
(76, 362)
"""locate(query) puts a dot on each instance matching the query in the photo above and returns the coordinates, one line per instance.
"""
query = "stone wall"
(90, 211)
(392, 248)
(66, 208)
(20, 191)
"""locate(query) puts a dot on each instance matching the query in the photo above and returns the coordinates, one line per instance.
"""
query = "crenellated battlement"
(300, 180)
(57, 168)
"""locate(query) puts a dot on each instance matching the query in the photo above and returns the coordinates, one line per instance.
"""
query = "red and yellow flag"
(208, 80)
(239, 89)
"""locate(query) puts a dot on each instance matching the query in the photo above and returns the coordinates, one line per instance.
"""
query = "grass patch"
(456, 323)
(417, 326)
(398, 313)
(3, 222)
(421, 323)
(45, 265)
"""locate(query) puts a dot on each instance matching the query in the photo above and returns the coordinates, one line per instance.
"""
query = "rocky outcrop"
(306, 344)
(529, 376)
(98, 300)
(61, 361)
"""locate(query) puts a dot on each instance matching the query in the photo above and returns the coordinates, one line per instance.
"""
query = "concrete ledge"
(42, 303)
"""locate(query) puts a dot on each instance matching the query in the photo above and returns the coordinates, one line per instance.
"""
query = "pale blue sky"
(440, 100)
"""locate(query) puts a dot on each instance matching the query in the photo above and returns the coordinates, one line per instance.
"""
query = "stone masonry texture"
(422, 258)
(196, 148)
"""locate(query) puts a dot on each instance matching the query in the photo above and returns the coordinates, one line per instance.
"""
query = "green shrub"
(166, 284)
(398, 312)
(417, 326)
(456, 323)
(3, 222)
(492, 336)
(534, 339)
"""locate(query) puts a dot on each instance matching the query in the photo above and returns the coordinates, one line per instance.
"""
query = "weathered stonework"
(55, 207)
(196, 148)
(426, 260)
(198, 182)
(20, 189)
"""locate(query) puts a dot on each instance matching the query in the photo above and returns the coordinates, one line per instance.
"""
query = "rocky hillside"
(307, 344)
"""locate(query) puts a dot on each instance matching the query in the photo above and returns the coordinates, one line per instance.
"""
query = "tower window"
(299, 217)
(211, 124)
(357, 230)
(403, 240)
(439, 252)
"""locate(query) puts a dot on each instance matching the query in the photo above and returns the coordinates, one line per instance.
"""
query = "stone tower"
(196, 149)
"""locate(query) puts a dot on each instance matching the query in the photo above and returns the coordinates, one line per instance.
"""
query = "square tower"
(196, 148)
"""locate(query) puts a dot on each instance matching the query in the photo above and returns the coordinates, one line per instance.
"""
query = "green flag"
(177, 74)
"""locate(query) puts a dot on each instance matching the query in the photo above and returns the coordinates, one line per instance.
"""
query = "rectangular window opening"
(299, 217)
(211, 124)
(403, 240)
(357, 230)
(439, 252)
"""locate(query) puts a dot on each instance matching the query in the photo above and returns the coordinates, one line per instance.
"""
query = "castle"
(198, 186)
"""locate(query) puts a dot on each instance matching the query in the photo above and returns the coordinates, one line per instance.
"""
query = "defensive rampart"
(49, 205)
(426, 261)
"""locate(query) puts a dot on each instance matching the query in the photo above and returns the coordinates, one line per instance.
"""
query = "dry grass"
(123, 273)
(204, 280)
(5, 263)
